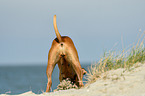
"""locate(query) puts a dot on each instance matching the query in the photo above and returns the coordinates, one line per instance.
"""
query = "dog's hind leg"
(77, 67)
(53, 58)
(74, 61)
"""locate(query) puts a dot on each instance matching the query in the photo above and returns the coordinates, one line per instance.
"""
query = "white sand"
(115, 82)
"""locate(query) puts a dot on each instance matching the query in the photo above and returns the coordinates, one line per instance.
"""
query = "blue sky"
(26, 27)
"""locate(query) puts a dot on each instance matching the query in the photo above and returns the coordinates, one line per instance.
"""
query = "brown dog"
(64, 53)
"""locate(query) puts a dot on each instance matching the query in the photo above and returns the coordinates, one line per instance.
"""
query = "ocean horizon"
(18, 79)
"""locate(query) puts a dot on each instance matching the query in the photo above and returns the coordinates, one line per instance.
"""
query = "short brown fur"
(64, 53)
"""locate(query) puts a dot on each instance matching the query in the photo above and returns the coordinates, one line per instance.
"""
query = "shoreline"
(118, 82)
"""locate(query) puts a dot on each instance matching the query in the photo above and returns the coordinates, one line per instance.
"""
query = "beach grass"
(111, 60)
(66, 84)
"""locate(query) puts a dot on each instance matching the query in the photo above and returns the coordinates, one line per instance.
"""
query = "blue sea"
(19, 79)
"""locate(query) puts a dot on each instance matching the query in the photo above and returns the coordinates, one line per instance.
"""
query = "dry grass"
(126, 59)
(66, 84)
(111, 60)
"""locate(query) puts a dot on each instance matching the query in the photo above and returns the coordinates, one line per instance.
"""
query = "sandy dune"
(115, 82)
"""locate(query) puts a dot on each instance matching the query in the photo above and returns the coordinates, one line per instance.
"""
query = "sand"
(118, 82)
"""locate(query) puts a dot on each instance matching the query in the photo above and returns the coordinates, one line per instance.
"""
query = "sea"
(19, 79)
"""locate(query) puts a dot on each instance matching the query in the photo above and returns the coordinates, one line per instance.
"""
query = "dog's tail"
(56, 30)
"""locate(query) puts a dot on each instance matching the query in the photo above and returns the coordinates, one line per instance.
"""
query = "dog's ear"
(84, 71)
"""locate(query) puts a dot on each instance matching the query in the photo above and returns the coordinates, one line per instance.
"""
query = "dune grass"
(66, 84)
(111, 60)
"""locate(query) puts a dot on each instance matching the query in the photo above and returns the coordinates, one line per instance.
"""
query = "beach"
(120, 82)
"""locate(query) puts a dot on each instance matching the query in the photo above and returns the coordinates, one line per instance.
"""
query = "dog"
(64, 53)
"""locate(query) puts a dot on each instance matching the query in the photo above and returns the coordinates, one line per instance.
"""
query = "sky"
(26, 27)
